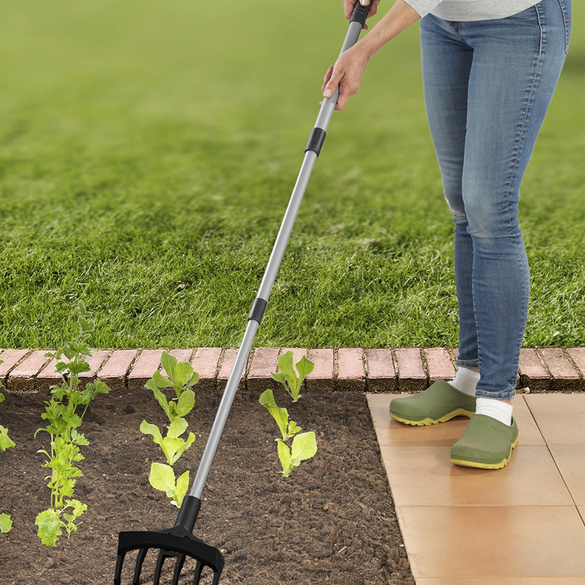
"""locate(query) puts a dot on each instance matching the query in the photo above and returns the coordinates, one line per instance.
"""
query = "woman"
(489, 68)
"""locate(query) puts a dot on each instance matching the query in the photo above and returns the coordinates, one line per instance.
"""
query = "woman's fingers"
(347, 75)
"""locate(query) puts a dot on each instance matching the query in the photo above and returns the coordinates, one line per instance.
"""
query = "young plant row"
(65, 410)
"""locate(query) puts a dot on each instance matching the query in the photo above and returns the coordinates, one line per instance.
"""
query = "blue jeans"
(488, 85)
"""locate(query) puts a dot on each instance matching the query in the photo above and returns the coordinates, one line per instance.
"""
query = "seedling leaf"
(185, 403)
(182, 375)
(160, 380)
(5, 523)
(280, 415)
(285, 458)
(177, 428)
(304, 368)
(5, 441)
(168, 362)
(304, 446)
(162, 477)
(153, 430)
(181, 489)
(49, 527)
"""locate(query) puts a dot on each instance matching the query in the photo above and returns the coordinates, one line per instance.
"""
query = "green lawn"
(148, 150)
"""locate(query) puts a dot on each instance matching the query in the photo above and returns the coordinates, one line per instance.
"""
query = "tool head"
(176, 543)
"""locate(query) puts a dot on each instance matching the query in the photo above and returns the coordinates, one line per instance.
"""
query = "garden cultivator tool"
(178, 543)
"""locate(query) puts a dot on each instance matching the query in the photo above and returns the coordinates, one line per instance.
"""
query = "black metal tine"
(216, 578)
(118, 573)
(178, 566)
(162, 555)
(198, 570)
(138, 568)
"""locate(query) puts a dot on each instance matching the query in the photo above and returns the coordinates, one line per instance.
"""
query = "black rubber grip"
(257, 312)
(316, 140)
(360, 13)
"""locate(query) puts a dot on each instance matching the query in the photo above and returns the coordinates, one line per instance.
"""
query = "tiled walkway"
(522, 525)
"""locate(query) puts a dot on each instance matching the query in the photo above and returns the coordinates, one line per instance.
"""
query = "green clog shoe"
(486, 443)
(438, 403)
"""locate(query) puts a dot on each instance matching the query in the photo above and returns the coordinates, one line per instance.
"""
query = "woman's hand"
(349, 5)
(347, 73)
(349, 69)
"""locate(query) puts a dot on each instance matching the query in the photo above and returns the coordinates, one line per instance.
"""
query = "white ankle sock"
(497, 409)
(465, 381)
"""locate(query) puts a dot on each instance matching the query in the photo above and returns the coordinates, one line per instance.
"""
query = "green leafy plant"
(287, 375)
(304, 445)
(181, 377)
(64, 414)
(5, 443)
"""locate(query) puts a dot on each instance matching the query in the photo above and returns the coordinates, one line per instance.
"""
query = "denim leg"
(446, 66)
(515, 64)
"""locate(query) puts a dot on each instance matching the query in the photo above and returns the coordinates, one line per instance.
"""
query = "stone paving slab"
(541, 369)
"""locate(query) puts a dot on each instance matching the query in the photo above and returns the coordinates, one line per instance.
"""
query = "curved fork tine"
(162, 555)
(198, 570)
(216, 578)
(178, 566)
(138, 568)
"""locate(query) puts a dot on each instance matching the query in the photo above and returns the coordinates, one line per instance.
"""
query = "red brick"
(144, 367)
(10, 358)
(227, 364)
(439, 364)
(381, 372)
(562, 370)
(411, 374)
(205, 362)
(23, 377)
(264, 362)
(115, 370)
(350, 369)
(321, 378)
(577, 354)
(532, 373)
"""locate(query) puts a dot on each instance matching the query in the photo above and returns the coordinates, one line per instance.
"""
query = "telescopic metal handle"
(356, 24)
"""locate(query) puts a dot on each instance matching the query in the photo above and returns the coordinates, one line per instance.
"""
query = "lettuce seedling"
(181, 377)
(304, 445)
(287, 375)
(64, 414)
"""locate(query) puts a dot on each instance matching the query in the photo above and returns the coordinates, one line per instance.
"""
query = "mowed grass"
(148, 151)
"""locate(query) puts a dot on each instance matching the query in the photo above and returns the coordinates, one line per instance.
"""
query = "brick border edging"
(406, 369)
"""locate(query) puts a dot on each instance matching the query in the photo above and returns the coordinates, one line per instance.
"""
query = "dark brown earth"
(332, 521)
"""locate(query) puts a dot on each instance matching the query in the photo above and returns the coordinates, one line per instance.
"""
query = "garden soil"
(331, 522)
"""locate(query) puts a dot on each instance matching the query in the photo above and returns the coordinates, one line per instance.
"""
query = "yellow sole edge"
(431, 421)
(476, 465)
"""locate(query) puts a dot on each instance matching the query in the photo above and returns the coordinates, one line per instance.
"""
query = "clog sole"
(431, 421)
(479, 465)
